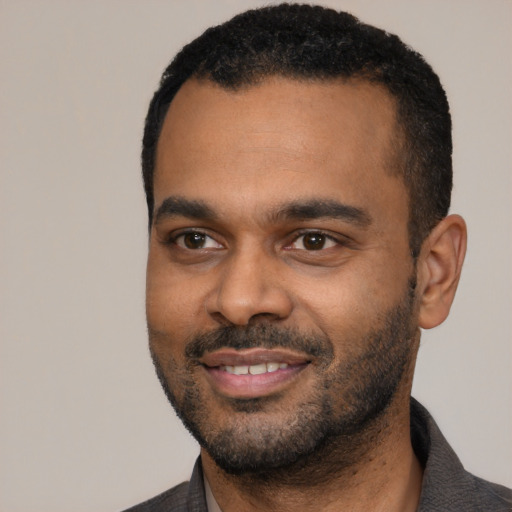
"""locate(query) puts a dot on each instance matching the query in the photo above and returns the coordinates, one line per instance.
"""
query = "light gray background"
(84, 425)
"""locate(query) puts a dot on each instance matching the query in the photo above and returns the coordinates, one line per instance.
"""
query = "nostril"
(263, 317)
(252, 320)
(221, 319)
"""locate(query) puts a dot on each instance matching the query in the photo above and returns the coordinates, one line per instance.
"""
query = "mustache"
(258, 336)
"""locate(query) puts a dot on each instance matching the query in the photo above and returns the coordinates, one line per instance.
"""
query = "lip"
(233, 357)
(252, 386)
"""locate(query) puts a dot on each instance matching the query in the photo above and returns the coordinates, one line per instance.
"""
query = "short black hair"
(313, 42)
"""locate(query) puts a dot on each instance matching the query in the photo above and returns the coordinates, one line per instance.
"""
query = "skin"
(246, 155)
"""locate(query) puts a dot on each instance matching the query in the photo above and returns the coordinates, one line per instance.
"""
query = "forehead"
(280, 139)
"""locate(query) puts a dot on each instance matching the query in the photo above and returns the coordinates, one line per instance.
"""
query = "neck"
(384, 477)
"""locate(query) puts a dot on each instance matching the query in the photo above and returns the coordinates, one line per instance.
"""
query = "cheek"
(353, 301)
(174, 305)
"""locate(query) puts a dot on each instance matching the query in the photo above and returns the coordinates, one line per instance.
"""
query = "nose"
(249, 287)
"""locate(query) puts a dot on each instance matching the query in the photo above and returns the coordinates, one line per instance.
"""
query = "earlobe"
(439, 269)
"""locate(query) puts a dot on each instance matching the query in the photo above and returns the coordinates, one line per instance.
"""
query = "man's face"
(279, 284)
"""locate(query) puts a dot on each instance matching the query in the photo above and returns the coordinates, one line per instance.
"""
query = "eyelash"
(173, 238)
(339, 240)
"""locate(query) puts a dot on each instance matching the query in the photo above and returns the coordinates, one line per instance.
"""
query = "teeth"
(258, 369)
(255, 369)
(272, 367)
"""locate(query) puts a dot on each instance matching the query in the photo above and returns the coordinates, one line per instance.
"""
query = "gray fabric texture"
(447, 487)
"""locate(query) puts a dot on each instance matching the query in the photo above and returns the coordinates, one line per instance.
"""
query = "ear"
(439, 267)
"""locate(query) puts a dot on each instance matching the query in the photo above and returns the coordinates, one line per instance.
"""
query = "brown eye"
(194, 240)
(313, 241)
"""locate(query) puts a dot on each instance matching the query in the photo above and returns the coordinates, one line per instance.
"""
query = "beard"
(330, 425)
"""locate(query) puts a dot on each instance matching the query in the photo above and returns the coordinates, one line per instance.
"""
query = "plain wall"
(84, 424)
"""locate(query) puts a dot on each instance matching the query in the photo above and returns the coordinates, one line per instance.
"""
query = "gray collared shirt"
(447, 486)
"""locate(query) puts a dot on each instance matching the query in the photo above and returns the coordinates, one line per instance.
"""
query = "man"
(297, 167)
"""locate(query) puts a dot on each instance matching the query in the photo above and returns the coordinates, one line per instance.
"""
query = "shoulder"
(465, 492)
(174, 500)
(185, 497)
(488, 494)
(447, 486)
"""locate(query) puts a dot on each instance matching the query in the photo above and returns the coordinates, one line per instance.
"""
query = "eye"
(313, 241)
(195, 240)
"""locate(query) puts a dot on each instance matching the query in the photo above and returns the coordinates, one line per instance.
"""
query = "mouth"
(252, 373)
(254, 369)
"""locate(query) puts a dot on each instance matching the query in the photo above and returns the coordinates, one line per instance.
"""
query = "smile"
(252, 373)
(255, 369)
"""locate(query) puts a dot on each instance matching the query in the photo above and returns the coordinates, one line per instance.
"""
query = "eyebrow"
(323, 208)
(175, 206)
